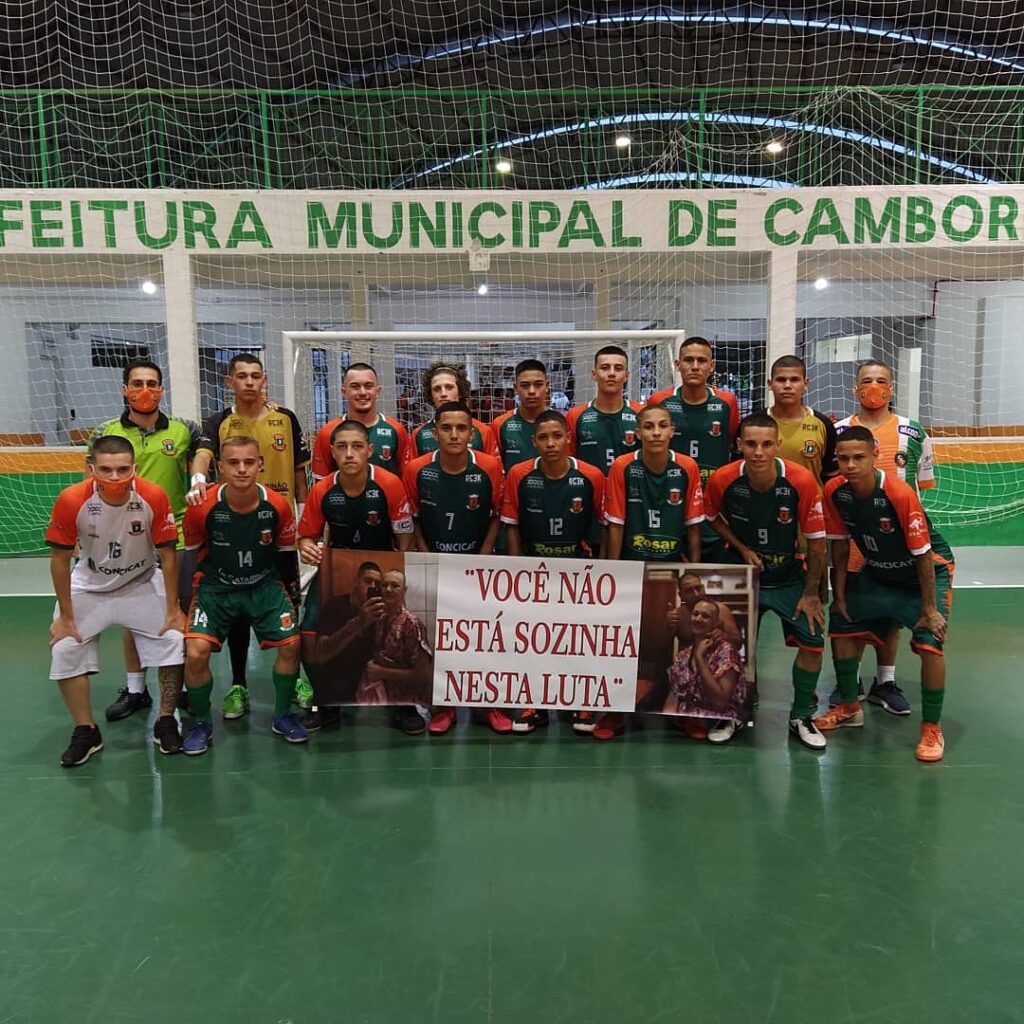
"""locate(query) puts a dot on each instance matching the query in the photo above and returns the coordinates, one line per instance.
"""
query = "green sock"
(931, 705)
(199, 701)
(847, 670)
(804, 684)
(284, 691)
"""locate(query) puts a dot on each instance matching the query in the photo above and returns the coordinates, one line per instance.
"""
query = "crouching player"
(906, 581)
(116, 519)
(239, 526)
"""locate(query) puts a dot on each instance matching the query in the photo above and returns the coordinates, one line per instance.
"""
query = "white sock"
(136, 681)
(886, 674)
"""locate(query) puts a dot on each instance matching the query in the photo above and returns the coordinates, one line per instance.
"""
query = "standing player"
(904, 453)
(115, 520)
(514, 429)
(762, 507)
(605, 428)
(653, 510)
(240, 527)
(705, 420)
(364, 508)
(283, 470)
(906, 581)
(806, 436)
(388, 439)
(164, 446)
(455, 494)
(444, 383)
(553, 509)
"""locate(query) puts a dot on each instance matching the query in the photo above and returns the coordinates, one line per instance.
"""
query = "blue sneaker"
(889, 697)
(834, 698)
(198, 739)
(288, 727)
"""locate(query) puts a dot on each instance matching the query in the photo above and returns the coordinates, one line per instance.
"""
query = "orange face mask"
(144, 399)
(114, 491)
(873, 395)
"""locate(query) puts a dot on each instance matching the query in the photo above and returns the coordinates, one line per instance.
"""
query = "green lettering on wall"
(1002, 216)
(864, 223)
(421, 223)
(825, 220)
(784, 205)
(108, 207)
(393, 237)
(977, 222)
(248, 226)
(620, 240)
(677, 209)
(920, 225)
(170, 234)
(318, 223)
(199, 218)
(473, 226)
(581, 226)
(544, 216)
(717, 223)
(41, 224)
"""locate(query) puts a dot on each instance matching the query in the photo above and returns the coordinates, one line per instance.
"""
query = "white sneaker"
(724, 730)
(807, 733)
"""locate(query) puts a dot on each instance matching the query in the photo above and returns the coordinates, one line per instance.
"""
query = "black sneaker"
(128, 703)
(407, 718)
(528, 719)
(321, 718)
(166, 735)
(85, 741)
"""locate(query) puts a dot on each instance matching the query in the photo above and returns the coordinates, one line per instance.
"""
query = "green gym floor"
(547, 878)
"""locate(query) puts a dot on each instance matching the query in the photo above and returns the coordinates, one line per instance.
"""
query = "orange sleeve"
(734, 413)
(409, 475)
(615, 491)
(597, 481)
(810, 512)
(405, 452)
(62, 529)
(284, 539)
(694, 494)
(399, 509)
(194, 526)
(164, 530)
(490, 439)
(312, 523)
(510, 503)
(323, 462)
(571, 418)
(659, 396)
(494, 471)
(715, 491)
(910, 514)
(834, 525)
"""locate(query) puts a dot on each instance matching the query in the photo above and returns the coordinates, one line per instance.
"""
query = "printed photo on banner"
(368, 640)
(698, 629)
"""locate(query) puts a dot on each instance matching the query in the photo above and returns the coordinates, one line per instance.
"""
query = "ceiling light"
(774, 148)
(481, 288)
(623, 142)
(148, 287)
(821, 283)
(503, 165)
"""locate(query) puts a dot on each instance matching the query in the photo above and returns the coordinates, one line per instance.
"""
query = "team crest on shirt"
(629, 437)
(135, 528)
(576, 505)
(810, 449)
(385, 452)
(675, 496)
(279, 443)
(168, 447)
(784, 514)
(716, 429)
(373, 517)
(900, 458)
(915, 522)
(885, 524)
(473, 502)
(286, 620)
(266, 536)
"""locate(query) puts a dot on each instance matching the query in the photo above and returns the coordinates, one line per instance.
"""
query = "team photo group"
(189, 537)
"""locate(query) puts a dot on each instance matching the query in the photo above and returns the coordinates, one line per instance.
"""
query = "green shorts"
(875, 608)
(311, 606)
(265, 607)
(783, 601)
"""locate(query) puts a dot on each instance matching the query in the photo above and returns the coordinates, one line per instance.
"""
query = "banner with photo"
(559, 634)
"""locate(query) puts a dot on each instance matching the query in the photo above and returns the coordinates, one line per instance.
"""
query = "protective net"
(506, 100)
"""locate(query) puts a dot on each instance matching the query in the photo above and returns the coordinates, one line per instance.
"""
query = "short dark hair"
(452, 407)
(788, 363)
(111, 444)
(528, 364)
(240, 441)
(611, 350)
(857, 433)
(141, 364)
(874, 362)
(350, 425)
(696, 339)
(368, 567)
(757, 419)
(357, 366)
(443, 366)
(551, 416)
(243, 357)
(658, 406)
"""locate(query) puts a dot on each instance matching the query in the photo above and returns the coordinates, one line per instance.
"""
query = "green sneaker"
(303, 694)
(236, 702)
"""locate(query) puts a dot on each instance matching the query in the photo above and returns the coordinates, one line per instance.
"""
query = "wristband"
(198, 478)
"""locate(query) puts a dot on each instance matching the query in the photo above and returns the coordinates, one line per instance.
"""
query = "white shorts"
(140, 607)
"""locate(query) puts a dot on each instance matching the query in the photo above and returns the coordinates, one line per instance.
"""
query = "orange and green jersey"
(514, 435)
(390, 442)
(601, 437)
(424, 439)
(705, 431)
(903, 448)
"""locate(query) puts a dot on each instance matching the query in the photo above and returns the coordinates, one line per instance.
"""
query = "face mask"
(115, 491)
(144, 399)
(873, 395)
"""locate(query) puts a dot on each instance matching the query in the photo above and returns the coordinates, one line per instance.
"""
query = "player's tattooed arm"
(809, 604)
(931, 618)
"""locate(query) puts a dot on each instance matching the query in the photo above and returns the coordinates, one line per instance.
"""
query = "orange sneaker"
(695, 728)
(842, 716)
(441, 720)
(609, 726)
(498, 721)
(932, 745)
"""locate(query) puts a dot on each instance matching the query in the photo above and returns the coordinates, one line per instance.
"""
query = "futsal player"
(761, 507)
(240, 528)
(123, 528)
(605, 427)
(514, 429)
(906, 581)
(444, 382)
